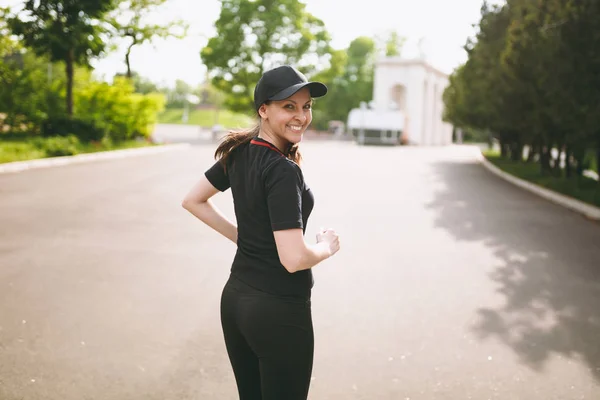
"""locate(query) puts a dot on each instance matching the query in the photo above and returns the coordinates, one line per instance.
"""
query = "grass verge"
(23, 149)
(581, 188)
(206, 118)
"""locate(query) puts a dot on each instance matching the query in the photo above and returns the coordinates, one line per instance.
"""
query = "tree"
(27, 96)
(394, 44)
(576, 29)
(65, 30)
(477, 86)
(456, 110)
(349, 79)
(531, 78)
(256, 35)
(141, 84)
(6, 43)
(128, 22)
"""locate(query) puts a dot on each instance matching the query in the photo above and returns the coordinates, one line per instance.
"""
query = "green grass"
(581, 188)
(14, 150)
(206, 118)
(28, 149)
(590, 157)
(129, 144)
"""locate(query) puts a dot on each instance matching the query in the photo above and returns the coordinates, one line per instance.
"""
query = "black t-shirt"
(269, 194)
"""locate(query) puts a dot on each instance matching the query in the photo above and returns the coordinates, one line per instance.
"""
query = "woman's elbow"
(188, 203)
(185, 203)
(291, 268)
(291, 264)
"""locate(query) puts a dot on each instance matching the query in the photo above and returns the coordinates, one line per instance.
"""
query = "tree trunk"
(579, 158)
(558, 172)
(533, 149)
(70, 72)
(133, 43)
(516, 151)
(545, 159)
(127, 61)
(503, 148)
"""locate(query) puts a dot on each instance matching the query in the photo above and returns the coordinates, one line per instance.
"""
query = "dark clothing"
(269, 194)
(269, 341)
(265, 310)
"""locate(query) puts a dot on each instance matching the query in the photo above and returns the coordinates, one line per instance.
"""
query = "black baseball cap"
(282, 82)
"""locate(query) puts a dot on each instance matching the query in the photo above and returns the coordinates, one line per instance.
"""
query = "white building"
(414, 89)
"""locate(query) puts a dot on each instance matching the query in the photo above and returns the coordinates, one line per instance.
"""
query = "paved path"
(451, 283)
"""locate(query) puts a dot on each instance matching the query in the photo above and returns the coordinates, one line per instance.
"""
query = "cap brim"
(317, 89)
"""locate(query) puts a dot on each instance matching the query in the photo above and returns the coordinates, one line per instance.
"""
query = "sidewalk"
(19, 166)
(585, 209)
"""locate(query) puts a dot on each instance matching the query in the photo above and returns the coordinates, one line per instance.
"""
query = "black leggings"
(269, 341)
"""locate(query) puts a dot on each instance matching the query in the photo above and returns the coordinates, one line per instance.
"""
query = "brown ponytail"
(234, 139)
(294, 154)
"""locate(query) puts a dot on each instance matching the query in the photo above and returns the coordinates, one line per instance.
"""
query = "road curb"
(19, 166)
(588, 210)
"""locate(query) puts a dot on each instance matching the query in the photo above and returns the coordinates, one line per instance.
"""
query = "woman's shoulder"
(282, 164)
(283, 168)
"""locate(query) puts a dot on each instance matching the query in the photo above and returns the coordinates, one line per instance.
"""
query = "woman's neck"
(281, 144)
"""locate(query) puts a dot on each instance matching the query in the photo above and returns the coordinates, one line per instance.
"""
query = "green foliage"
(581, 188)
(128, 22)
(57, 146)
(13, 148)
(141, 84)
(31, 101)
(18, 150)
(206, 118)
(531, 79)
(349, 79)
(115, 109)
(63, 30)
(27, 95)
(6, 42)
(256, 35)
(84, 130)
(394, 44)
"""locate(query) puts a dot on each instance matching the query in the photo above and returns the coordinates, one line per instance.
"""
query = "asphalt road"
(451, 284)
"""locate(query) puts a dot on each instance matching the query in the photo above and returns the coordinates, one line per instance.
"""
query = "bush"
(85, 131)
(26, 96)
(59, 145)
(121, 113)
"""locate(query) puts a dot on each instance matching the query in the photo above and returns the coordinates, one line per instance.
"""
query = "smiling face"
(284, 121)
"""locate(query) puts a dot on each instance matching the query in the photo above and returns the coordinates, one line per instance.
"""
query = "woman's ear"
(262, 111)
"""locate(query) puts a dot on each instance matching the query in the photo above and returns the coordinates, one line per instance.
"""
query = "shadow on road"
(547, 268)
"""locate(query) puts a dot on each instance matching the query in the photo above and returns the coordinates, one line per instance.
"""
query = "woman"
(265, 305)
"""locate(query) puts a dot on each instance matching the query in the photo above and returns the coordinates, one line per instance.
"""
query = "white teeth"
(295, 128)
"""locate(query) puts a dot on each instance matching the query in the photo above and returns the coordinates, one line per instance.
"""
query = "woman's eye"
(308, 107)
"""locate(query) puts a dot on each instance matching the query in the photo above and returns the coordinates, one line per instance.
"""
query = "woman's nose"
(301, 116)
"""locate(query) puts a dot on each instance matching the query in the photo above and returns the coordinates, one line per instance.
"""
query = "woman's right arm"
(284, 185)
(197, 202)
(296, 255)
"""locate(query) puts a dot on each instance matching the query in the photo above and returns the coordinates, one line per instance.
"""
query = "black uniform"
(265, 310)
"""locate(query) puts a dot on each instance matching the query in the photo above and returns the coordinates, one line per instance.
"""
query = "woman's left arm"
(198, 203)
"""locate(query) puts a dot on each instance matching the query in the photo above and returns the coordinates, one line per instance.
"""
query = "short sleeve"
(217, 177)
(284, 184)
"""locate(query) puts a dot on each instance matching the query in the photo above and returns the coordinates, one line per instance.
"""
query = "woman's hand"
(330, 237)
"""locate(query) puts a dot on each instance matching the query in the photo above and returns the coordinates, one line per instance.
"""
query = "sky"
(442, 25)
